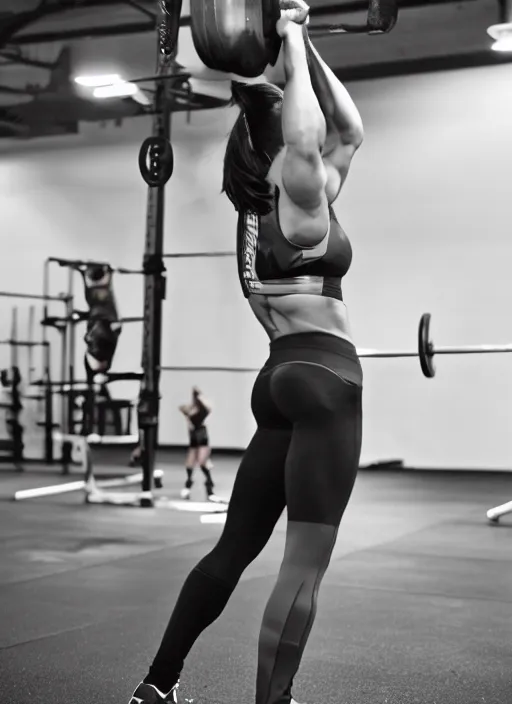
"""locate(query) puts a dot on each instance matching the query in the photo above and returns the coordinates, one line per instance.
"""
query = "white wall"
(426, 208)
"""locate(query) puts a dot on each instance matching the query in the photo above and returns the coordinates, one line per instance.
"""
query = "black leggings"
(304, 456)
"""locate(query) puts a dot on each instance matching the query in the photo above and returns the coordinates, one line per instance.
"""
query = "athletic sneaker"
(149, 694)
(216, 499)
(185, 494)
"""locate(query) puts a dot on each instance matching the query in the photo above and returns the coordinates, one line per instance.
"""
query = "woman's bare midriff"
(301, 312)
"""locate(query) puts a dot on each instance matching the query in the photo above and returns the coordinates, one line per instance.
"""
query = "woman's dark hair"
(254, 142)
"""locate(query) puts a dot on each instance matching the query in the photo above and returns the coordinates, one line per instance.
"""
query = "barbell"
(426, 352)
(240, 37)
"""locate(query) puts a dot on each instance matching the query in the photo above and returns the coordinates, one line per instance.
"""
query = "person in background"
(199, 450)
(102, 332)
(103, 321)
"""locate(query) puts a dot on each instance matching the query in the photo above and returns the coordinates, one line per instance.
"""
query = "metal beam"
(15, 57)
(83, 33)
(363, 72)
(13, 23)
(353, 6)
(140, 8)
(14, 91)
(17, 22)
(13, 128)
(428, 64)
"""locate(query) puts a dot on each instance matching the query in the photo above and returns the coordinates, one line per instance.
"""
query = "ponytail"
(254, 141)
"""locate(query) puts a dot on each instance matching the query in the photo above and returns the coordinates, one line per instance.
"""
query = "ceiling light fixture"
(98, 81)
(122, 89)
(502, 35)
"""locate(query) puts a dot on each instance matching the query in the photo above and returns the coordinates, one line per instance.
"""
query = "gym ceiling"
(43, 44)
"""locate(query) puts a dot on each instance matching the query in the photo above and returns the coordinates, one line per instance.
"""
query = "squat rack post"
(71, 335)
(66, 363)
(157, 151)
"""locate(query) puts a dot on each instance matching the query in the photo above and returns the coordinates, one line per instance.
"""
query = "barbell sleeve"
(464, 349)
(473, 349)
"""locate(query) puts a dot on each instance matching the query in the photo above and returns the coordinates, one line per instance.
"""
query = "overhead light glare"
(116, 90)
(502, 34)
(97, 81)
(503, 45)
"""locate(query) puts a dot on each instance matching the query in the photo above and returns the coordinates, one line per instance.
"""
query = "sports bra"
(271, 265)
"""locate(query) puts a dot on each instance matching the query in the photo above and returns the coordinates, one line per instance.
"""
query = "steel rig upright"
(156, 165)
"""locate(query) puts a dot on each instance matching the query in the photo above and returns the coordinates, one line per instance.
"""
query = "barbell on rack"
(426, 352)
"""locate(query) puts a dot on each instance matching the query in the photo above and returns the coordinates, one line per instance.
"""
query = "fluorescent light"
(502, 34)
(116, 90)
(97, 81)
(142, 98)
(504, 44)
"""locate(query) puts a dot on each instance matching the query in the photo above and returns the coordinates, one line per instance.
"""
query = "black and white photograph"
(255, 356)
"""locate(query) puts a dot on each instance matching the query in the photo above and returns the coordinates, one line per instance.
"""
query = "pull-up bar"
(80, 263)
(23, 343)
(34, 296)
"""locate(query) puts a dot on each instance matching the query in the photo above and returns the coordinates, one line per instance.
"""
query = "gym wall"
(425, 207)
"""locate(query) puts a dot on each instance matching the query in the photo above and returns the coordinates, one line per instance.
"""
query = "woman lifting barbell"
(285, 163)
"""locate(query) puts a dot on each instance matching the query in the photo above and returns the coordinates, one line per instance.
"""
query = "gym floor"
(416, 607)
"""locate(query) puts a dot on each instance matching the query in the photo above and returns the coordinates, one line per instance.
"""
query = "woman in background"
(103, 322)
(199, 450)
(102, 332)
